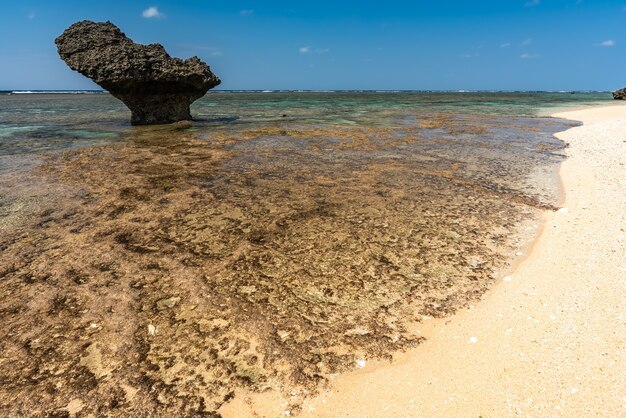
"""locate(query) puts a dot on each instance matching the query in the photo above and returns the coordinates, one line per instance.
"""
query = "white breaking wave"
(57, 91)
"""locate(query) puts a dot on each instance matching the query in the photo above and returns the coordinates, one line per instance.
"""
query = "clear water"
(42, 122)
(273, 242)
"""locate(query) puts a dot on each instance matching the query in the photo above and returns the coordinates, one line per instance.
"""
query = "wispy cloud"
(474, 55)
(608, 42)
(505, 45)
(527, 56)
(310, 49)
(246, 12)
(152, 12)
(532, 3)
(527, 42)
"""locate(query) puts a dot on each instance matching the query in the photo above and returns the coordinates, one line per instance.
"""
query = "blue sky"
(445, 44)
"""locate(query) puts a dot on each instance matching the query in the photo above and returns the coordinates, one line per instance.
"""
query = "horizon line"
(103, 91)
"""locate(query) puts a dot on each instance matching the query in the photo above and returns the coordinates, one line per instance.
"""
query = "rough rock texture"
(620, 94)
(156, 87)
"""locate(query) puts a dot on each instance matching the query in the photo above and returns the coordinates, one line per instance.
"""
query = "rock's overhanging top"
(620, 94)
(156, 88)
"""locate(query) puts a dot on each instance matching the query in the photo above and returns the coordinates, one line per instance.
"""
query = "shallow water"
(35, 122)
(250, 249)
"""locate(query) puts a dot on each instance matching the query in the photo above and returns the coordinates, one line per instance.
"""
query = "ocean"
(282, 236)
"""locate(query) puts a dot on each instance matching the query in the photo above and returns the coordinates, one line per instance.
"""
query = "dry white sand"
(549, 340)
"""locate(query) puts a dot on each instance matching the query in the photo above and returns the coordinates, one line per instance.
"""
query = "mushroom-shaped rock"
(620, 94)
(156, 87)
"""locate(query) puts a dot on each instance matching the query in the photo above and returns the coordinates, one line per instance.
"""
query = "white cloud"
(608, 42)
(216, 54)
(505, 45)
(532, 3)
(246, 12)
(527, 42)
(310, 49)
(31, 15)
(527, 56)
(152, 12)
(474, 55)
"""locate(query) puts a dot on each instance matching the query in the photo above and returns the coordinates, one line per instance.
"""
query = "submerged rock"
(167, 303)
(620, 94)
(154, 86)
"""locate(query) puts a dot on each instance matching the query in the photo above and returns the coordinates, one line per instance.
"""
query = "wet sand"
(548, 340)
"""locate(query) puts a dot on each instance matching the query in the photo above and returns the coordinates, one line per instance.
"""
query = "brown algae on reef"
(265, 257)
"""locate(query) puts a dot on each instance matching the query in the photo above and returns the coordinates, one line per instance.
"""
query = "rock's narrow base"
(158, 110)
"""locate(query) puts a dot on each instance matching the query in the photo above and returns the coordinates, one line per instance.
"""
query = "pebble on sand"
(74, 407)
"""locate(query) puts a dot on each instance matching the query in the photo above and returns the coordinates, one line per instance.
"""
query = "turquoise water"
(32, 123)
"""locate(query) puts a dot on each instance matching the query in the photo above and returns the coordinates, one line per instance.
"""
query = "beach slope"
(549, 340)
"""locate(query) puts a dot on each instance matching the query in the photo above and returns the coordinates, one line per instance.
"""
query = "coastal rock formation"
(620, 94)
(154, 86)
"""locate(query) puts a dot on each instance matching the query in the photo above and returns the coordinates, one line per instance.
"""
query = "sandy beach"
(547, 340)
